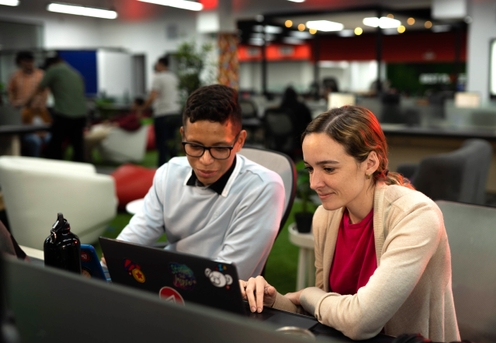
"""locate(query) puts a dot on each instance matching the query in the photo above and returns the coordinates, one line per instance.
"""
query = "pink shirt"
(354, 257)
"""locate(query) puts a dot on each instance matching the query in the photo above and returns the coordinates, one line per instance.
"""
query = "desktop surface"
(50, 305)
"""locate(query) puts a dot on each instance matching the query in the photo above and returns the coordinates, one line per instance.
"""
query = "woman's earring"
(368, 176)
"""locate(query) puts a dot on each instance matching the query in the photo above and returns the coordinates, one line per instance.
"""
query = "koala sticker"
(218, 279)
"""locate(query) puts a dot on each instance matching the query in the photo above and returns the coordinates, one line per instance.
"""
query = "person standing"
(23, 82)
(70, 110)
(164, 99)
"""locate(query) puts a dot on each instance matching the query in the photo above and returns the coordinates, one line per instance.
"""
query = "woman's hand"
(258, 293)
(294, 297)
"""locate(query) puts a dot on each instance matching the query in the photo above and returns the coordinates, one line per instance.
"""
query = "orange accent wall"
(276, 52)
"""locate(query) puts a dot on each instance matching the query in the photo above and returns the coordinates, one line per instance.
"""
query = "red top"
(354, 258)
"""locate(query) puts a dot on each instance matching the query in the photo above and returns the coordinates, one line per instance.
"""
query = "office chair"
(472, 236)
(251, 122)
(281, 164)
(285, 167)
(460, 175)
(279, 131)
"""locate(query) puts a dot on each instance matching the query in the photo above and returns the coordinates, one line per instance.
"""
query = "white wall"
(114, 73)
(481, 31)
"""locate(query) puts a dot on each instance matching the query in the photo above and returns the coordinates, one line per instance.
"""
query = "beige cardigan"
(410, 291)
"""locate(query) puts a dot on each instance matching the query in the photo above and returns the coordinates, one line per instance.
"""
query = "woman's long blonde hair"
(359, 132)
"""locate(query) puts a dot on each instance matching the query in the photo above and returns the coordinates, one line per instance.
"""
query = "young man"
(212, 202)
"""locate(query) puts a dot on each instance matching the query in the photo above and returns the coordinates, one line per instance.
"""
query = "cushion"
(132, 182)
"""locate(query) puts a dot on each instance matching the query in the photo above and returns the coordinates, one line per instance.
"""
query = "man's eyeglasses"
(217, 152)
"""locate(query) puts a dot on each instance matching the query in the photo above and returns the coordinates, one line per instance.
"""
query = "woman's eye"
(328, 170)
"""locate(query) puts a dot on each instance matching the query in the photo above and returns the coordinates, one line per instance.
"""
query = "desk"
(306, 257)
(12, 134)
(50, 305)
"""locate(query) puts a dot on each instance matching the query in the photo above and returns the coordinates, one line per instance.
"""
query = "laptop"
(184, 278)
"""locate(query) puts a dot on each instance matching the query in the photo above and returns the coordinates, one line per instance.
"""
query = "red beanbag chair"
(150, 143)
(132, 182)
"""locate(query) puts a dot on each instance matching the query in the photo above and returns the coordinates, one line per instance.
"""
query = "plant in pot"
(192, 62)
(304, 216)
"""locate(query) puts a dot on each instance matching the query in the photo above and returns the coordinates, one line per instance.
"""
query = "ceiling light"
(390, 32)
(182, 4)
(82, 10)
(324, 25)
(297, 0)
(346, 33)
(300, 34)
(256, 41)
(383, 22)
(441, 28)
(9, 2)
(268, 28)
(292, 40)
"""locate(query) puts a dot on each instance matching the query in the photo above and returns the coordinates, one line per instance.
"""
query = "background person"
(22, 84)
(212, 202)
(164, 99)
(70, 110)
(381, 251)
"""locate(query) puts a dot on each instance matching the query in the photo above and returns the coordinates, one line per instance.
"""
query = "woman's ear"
(372, 163)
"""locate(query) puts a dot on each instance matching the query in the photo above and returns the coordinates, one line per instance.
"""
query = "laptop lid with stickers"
(175, 277)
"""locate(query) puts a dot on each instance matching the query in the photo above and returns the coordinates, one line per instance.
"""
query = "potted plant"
(191, 63)
(303, 218)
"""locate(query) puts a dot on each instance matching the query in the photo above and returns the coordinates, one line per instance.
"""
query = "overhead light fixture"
(324, 25)
(268, 29)
(297, 0)
(82, 10)
(300, 34)
(292, 40)
(441, 28)
(346, 33)
(9, 2)
(182, 4)
(382, 22)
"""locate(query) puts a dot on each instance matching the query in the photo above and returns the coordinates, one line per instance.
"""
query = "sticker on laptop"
(170, 295)
(218, 279)
(134, 270)
(183, 276)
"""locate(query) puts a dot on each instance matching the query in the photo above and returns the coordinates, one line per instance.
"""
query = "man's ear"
(242, 137)
(181, 130)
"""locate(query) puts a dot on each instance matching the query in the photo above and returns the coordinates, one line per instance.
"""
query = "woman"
(381, 252)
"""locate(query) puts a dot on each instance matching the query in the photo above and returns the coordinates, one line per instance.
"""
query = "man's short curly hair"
(215, 103)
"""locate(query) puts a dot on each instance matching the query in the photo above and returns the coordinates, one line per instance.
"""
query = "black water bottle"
(62, 249)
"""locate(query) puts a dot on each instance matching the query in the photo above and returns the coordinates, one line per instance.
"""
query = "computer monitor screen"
(340, 99)
(467, 99)
(492, 69)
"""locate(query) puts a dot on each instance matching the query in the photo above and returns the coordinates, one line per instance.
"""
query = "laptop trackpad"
(283, 318)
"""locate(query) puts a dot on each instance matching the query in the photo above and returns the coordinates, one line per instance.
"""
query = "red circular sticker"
(170, 295)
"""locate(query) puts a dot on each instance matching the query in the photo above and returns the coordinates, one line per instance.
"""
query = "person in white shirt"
(212, 202)
(164, 100)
